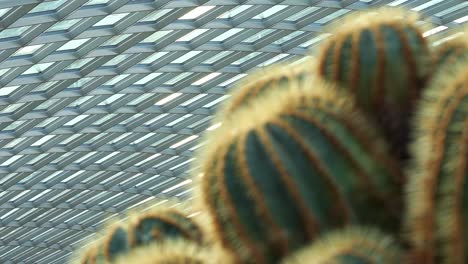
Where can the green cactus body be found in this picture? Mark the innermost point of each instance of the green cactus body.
(275, 180)
(384, 61)
(162, 225)
(117, 242)
(437, 190)
(349, 246)
(261, 82)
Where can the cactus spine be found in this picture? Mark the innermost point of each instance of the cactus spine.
(159, 225)
(437, 188)
(351, 245)
(382, 59)
(273, 181)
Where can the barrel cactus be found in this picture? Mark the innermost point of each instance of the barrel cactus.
(351, 245)
(161, 224)
(170, 252)
(275, 180)
(263, 81)
(106, 246)
(381, 57)
(451, 51)
(437, 189)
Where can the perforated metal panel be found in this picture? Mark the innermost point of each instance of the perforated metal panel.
(102, 101)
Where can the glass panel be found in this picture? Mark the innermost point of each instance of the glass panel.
(196, 12)
(116, 40)
(153, 57)
(79, 64)
(397, 2)
(116, 79)
(167, 99)
(42, 141)
(116, 60)
(28, 50)
(155, 15)
(246, 58)
(426, 5)
(187, 56)
(184, 141)
(8, 90)
(148, 78)
(156, 36)
(461, 20)
(270, 12)
(11, 108)
(231, 32)
(63, 25)
(193, 34)
(76, 120)
(73, 44)
(15, 125)
(332, 16)
(111, 99)
(4, 11)
(96, 2)
(13, 32)
(303, 13)
(258, 36)
(217, 57)
(46, 122)
(140, 99)
(110, 19)
(47, 6)
(38, 68)
(207, 78)
(235, 11)
(192, 100)
(178, 78)
(288, 37)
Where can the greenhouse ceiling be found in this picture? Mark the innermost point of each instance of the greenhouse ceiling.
(102, 102)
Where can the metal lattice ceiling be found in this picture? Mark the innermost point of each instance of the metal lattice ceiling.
(102, 101)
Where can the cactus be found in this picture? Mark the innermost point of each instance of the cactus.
(273, 180)
(437, 217)
(162, 224)
(351, 245)
(104, 248)
(261, 82)
(451, 52)
(380, 57)
(170, 252)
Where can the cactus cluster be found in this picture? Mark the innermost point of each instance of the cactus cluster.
(313, 162)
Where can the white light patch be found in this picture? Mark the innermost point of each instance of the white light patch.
(196, 12)
(207, 78)
(214, 126)
(461, 20)
(434, 31)
(177, 186)
(184, 141)
(167, 99)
